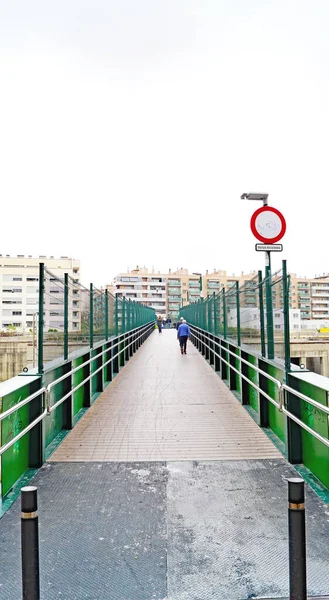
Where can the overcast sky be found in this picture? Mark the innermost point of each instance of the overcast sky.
(130, 128)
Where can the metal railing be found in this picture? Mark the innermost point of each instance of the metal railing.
(129, 335)
(16, 407)
(248, 314)
(72, 316)
(283, 388)
(132, 336)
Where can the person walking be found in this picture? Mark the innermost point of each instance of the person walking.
(183, 334)
(160, 323)
(179, 322)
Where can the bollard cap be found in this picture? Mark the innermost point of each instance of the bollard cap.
(296, 492)
(29, 499)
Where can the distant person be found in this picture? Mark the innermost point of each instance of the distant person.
(169, 323)
(160, 323)
(183, 334)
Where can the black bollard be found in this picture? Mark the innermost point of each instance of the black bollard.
(297, 539)
(30, 543)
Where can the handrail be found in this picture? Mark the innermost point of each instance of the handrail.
(45, 391)
(19, 405)
(51, 408)
(87, 362)
(283, 388)
(276, 381)
(254, 385)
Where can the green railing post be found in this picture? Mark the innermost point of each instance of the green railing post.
(214, 311)
(286, 278)
(41, 317)
(66, 316)
(106, 314)
(123, 319)
(224, 315)
(209, 314)
(91, 316)
(269, 311)
(261, 313)
(128, 315)
(238, 319)
(116, 315)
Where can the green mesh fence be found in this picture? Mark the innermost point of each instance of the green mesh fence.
(76, 317)
(53, 309)
(255, 314)
(79, 316)
(278, 314)
(251, 313)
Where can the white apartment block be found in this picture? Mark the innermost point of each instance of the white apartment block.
(140, 286)
(19, 292)
(165, 292)
(250, 319)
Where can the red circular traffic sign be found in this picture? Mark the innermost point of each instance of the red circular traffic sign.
(268, 225)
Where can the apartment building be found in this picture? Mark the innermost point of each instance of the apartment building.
(165, 292)
(19, 292)
(311, 296)
(250, 319)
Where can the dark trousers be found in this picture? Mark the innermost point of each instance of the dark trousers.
(183, 341)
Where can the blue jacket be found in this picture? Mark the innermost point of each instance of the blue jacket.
(183, 329)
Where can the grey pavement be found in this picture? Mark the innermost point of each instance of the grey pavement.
(167, 531)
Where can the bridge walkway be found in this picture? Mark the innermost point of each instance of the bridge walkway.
(165, 406)
(166, 489)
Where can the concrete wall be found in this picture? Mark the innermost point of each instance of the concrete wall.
(13, 357)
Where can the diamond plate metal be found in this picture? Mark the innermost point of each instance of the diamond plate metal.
(181, 531)
(102, 533)
(228, 531)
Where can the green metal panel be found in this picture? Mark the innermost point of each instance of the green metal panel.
(53, 423)
(78, 377)
(253, 376)
(315, 454)
(238, 366)
(16, 460)
(277, 421)
(93, 367)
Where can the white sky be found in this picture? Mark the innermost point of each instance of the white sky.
(130, 128)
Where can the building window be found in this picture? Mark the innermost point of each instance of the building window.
(17, 312)
(295, 315)
(11, 278)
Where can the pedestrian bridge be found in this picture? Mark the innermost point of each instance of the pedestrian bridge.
(164, 476)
